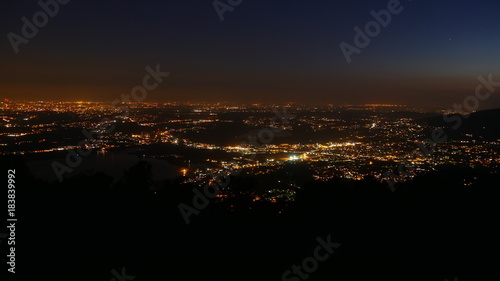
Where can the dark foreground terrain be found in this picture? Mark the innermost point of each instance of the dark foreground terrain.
(436, 227)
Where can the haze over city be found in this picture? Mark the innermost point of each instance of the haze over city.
(430, 54)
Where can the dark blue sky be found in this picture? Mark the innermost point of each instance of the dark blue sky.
(264, 51)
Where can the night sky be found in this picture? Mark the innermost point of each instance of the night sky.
(264, 51)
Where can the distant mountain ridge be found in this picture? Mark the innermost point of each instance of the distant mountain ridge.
(481, 124)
